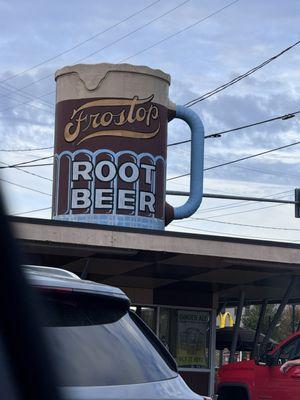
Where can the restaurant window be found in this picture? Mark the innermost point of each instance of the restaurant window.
(186, 334)
(148, 315)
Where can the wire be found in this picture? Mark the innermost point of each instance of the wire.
(27, 102)
(231, 234)
(174, 177)
(80, 43)
(218, 134)
(251, 210)
(244, 203)
(29, 98)
(24, 187)
(240, 77)
(261, 171)
(252, 156)
(135, 30)
(108, 45)
(30, 173)
(29, 165)
(239, 159)
(180, 31)
(246, 225)
(10, 88)
(31, 211)
(27, 162)
(35, 149)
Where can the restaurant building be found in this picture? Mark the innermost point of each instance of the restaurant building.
(177, 282)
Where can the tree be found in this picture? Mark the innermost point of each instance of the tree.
(283, 328)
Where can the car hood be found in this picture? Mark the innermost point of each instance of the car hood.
(175, 389)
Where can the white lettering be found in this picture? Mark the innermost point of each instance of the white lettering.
(134, 173)
(80, 198)
(148, 169)
(83, 169)
(147, 199)
(103, 198)
(126, 199)
(112, 171)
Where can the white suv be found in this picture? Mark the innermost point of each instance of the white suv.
(101, 349)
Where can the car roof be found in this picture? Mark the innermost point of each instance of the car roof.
(49, 277)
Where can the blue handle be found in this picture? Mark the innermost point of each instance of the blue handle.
(197, 161)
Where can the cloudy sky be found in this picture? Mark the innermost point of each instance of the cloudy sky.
(202, 44)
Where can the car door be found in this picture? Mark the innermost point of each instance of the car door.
(285, 385)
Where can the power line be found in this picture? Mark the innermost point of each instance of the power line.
(31, 211)
(35, 149)
(233, 197)
(239, 159)
(242, 203)
(26, 103)
(110, 44)
(180, 31)
(259, 170)
(136, 30)
(240, 77)
(218, 134)
(252, 156)
(251, 210)
(24, 187)
(80, 43)
(30, 173)
(29, 165)
(244, 225)
(233, 235)
(9, 88)
(27, 162)
(174, 177)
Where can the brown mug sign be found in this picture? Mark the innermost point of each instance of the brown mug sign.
(110, 145)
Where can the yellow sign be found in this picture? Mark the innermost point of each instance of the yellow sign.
(223, 316)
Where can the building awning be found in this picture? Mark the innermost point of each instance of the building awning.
(163, 260)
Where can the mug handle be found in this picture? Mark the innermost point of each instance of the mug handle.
(196, 162)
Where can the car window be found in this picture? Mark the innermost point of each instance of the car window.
(96, 342)
(289, 351)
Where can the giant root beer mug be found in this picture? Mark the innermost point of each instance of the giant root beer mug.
(111, 145)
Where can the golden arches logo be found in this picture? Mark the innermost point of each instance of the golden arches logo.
(223, 317)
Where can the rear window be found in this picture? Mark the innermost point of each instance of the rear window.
(96, 342)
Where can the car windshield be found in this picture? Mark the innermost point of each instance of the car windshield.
(96, 342)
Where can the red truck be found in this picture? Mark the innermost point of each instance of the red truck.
(261, 379)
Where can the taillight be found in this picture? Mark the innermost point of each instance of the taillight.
(54, 289)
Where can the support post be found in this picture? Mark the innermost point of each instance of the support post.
(293, 318)
(297, 203)
(236, 327)
(212, 345)
(262, 314)
(276, 317)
